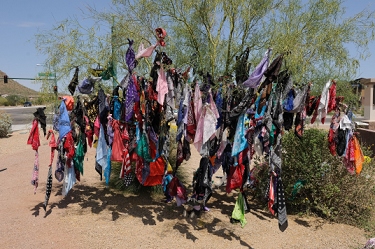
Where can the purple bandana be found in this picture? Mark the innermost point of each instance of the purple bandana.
(255, 78)
(130, 56)
(131, 98)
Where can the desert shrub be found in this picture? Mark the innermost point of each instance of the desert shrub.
(39, 101)
(3, 101)
(14, 100)
(5, 124)
(317, 182)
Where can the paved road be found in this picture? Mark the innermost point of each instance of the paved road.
(22, 117)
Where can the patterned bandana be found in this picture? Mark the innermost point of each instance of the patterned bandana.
(53, 146)
(74, 82)
(281, 210)
(131, 97)
(130, 56)
(48, 188)
(92, 109)
(64, 121)
(35, 177)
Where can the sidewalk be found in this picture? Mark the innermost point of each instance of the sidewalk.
(21, 127)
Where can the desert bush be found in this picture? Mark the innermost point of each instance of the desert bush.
(5, 124)
(3, 101)
(317, 182)
(14, 100)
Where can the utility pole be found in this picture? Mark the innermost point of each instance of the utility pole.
(51, 76)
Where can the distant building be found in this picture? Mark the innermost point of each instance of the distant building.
(359, 89)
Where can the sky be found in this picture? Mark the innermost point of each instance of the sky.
(21, 20)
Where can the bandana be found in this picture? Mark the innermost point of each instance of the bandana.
(103, 110)
(87, 85)
(69, 148)
(110, 132)
(69, 179)
(130, 57)
(161, 86)
(35, 177)
(116, 108)
(60, 164)
(219, 105)
(131, 97)
(109, 72)
(209, 124)
(271, 195)
(92, 109)
(256, 76)
(332, 97)
(48, 188)
(156, 172)
(197, 102)
(144, 52)
(142, 149)
(117, 145)
(239, 210)
(74, 82)
(34, 136)
(108, 169)
(358, 156)
(240, 142)
(161, 34)
(53, 145)
(64, 121)
(101, 152)
(39, 114)
(88, 131)
(281, 210)
(191, 125)
(288, 103)
(324, 99)
(126, 164)
(79, 155)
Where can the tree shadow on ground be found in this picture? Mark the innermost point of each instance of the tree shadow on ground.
(144, 206)
(302, 222)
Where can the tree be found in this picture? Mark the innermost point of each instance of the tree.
(315, 34)
(210, 34)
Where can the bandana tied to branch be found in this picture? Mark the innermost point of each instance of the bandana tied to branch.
(48, 188)
(74, 82)
(281, 210)
(33, 139)
(256, 76)
(35, 177)
(64, 121)
(53, 146)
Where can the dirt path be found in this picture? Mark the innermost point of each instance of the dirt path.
(93, 216)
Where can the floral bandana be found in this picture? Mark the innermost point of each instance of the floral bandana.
(35, 177)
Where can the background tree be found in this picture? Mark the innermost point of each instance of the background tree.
(209, 34)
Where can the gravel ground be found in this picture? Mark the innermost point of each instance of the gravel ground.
(94, 216)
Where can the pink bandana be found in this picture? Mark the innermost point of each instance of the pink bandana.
(161, 86)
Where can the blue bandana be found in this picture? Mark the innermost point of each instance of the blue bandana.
(64, 121)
